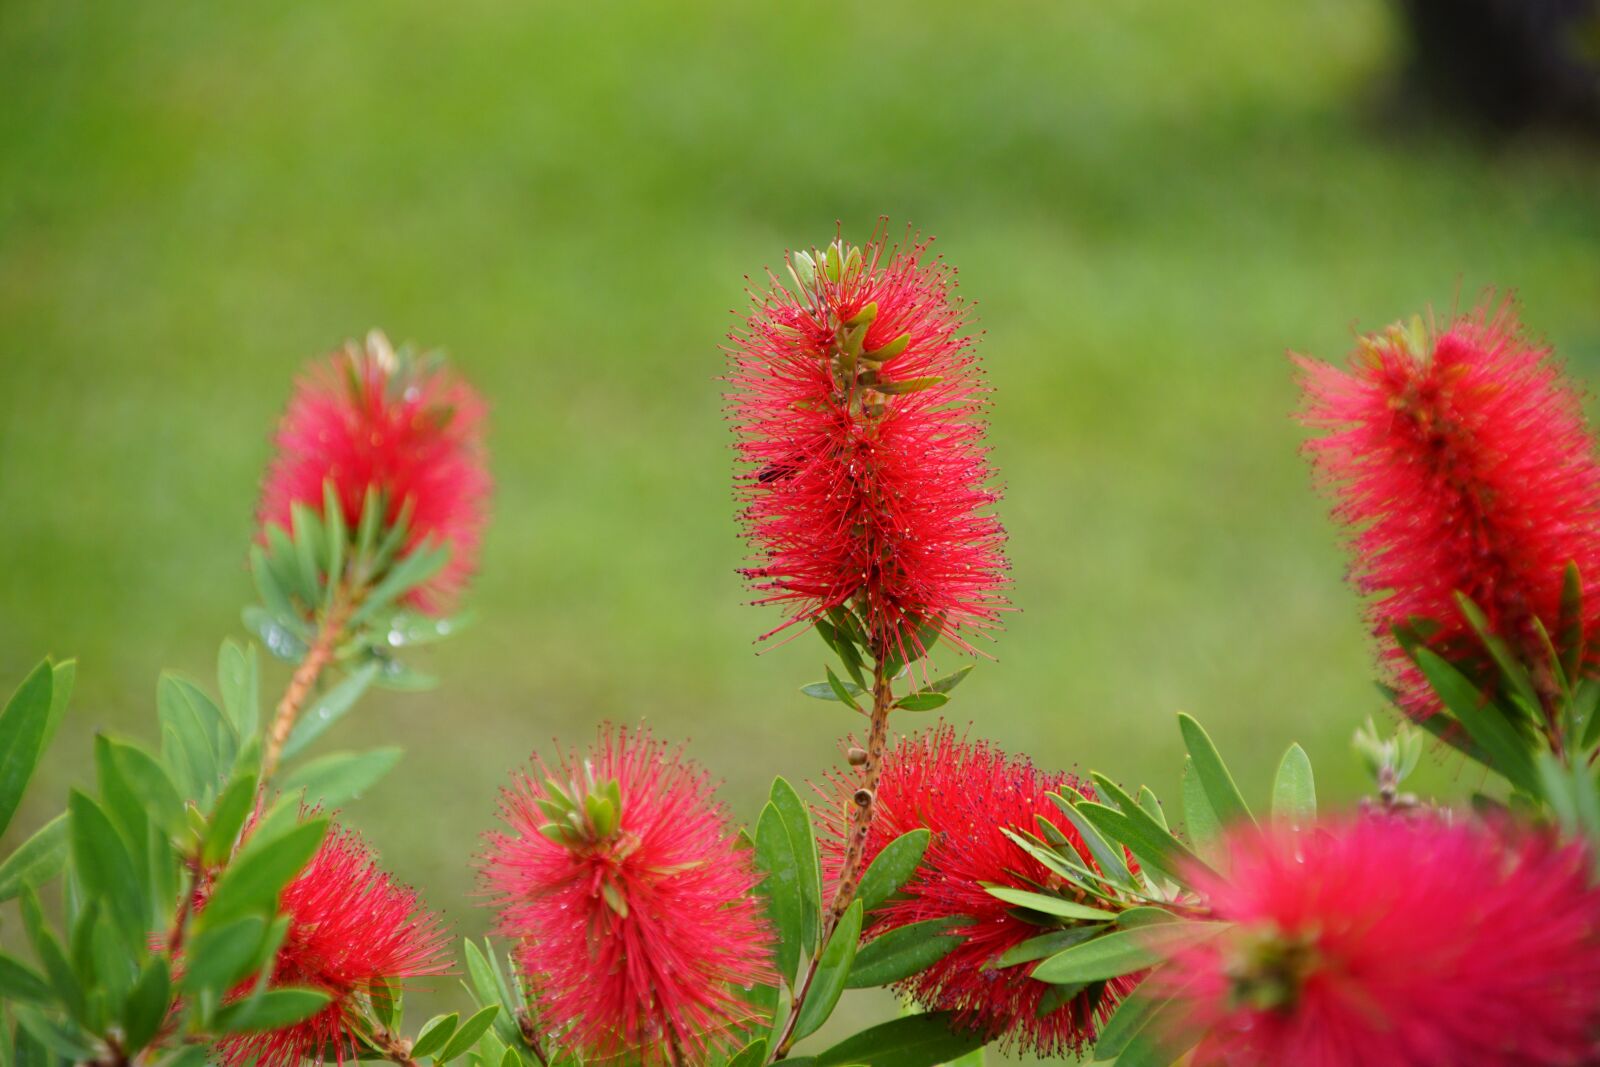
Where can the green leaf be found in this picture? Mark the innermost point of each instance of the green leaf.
(1133, 826)
(1569, 629)
(239, 682)
(37, 860)
(420, 564)
(223, 953)
(468, 1033)
(47, 947)
(1151, 805)
(922, 701)
(752, 1055)
(896, 863)
(840, 693)
(950, 681)
(1205, 832)
(18, 981)
(1127, 1020)
(840, 633)
(335, 536)
(832, 972)
(23, 724)
(1218, 784)
(194, 740)
(1157, 1042)
(101, 861)
(329, 708)
(147, 779)
(407, 629)
(808, 862)
(284, 637)
(1038, 948)
(331, 780)
(1123, 952)
(1508, 752)
(920, 1040)
(1107, 856)
(903, 951)
(64, 1039)
(227, 819)
(775, 855)
(434, 1033)
(272, 1009)
(825, 691)
(64, 676)
(1294, 790)
(147, 1004)
(1512, 670)
(1048, 905)
(254, 879)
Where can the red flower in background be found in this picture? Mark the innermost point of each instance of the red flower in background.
(621, 883)
(1394, 943)
(350, 927)
(407, 426)
(967, 794)
(857, 407)
(1461, 463)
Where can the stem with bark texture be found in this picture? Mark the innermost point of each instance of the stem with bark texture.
(865, 800)
(329, 632)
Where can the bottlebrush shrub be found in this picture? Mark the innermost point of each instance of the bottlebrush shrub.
(203, 910)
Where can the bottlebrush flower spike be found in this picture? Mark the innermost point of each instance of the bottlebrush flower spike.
(967, 793)
(1462, 464)
(1387, 942)
(351, 927)
(406, 426)
(857, 403)
(622, 886)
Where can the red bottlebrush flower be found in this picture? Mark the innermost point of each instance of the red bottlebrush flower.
(1389, 942)
(968, 794)
(857, 409)
(622, 885)
(1462, 463)
(406, 426)
(350, 927)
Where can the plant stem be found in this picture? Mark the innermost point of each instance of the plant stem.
(330, 630)
(530, 1035)
(850, 869)
(395, 1048)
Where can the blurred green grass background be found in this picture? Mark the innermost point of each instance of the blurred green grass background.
(1149, 202)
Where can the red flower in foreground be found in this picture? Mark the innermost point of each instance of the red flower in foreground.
(857, 408)
(406, 426)
(1462, 463)
(621, 882)
(1395, 943)
(350, 927)
(967, 794)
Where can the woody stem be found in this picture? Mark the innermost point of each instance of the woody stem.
(330, 630)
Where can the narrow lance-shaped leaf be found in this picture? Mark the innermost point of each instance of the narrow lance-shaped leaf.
(1220, 789)
(775, 855)
(808, 862)
(892, 867)
(329, 709)
(1294, 791)
(905, 950)
(832, 972)
(1508, 751)
(22, 729)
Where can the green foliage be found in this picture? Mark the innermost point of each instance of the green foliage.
(903, 951)
(833, 972)
(912, 1041)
